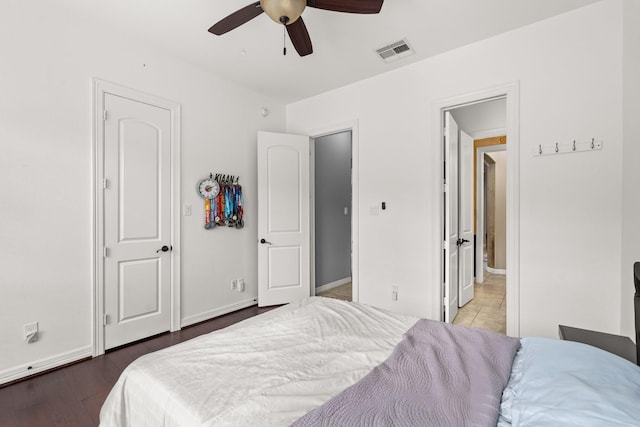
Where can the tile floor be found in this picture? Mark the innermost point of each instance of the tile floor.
(487, 309)
(342, 292)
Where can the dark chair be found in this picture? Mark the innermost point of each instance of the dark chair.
(636, 306)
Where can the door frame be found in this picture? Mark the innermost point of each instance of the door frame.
(352, 126)
(99, 89)
(511, 91)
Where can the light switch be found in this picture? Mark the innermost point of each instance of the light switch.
(374, 210)
(346, 211)
(186, 209)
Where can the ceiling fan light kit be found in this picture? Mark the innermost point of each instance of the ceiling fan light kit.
(283, 11)
(288, 13)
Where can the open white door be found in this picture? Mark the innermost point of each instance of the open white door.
(137, 220)
(451, 219)
(465, 228)
(284, 273)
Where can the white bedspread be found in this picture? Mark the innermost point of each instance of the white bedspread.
(268, 370)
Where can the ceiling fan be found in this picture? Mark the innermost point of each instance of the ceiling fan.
(287, 13)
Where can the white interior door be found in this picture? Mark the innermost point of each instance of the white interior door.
(451, 219)
(137, 220)
(284, 273)
(465, 223)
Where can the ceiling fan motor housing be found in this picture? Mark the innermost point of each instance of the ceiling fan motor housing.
(283, 11)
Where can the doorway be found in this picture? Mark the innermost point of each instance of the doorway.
(286, 270)
(332, 215)
(510, 94)
(467, 212)
(491, 207)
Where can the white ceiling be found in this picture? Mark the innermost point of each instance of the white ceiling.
(482, 117)
(344, 44)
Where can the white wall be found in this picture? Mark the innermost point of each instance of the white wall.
(631, 167)
(49, 58)
(570, 73)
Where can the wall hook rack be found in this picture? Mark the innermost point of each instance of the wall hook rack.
(564, 148)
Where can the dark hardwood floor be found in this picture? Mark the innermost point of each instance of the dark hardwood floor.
(73, 396)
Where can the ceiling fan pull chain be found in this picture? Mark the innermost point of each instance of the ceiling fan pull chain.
(284, 40)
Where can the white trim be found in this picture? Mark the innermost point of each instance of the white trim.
(332, 285)
(500, 271)
(352, 126)
(512, 93)
(312, 215)
(220, 311)
(25, 370)
(100, 88)
(480, 206)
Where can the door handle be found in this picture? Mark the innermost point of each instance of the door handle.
(461, 242)
(265, 242)
(165, 248)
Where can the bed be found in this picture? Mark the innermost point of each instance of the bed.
(325, 362)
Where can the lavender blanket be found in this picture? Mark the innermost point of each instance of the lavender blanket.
(438, 375)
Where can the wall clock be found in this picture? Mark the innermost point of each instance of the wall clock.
(208, 188)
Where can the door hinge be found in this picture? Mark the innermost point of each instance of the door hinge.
(445, 187)
(106, 320)
(104, 115)
(105, 183)
(105, 251)
(444, 245)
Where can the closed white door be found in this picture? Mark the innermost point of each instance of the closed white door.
(283, 218)
(465, 223)
(451, 219)
(137, 220)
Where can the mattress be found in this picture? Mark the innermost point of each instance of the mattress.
(268, 370)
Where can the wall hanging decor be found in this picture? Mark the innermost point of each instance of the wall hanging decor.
(222, 196)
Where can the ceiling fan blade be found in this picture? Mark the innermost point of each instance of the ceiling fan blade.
(236, 19)
(349, 6)
(300, 37)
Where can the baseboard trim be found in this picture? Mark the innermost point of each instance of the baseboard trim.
(497, 271)
(46, 364)
(208, 315)
(333, 285)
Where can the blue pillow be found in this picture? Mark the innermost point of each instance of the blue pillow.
(565, 383)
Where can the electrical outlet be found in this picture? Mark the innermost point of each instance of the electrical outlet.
(234, 285)
(241, 284)
(394, 293)
(31, 332)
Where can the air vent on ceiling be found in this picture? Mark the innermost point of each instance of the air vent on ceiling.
(395, 51)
